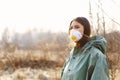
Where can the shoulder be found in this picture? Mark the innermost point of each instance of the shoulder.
(96, 56)
(96, 53)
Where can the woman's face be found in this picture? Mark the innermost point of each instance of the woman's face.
(77, 26)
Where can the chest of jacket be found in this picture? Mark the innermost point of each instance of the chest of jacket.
(77, 64)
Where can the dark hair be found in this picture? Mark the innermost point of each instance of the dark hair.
(87, 29)
(85, 23)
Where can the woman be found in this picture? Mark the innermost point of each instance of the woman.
(87, 60)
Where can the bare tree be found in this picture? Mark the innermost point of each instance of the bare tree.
(5, 39)
(113, 53)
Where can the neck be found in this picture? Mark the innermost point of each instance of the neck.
(83, 41)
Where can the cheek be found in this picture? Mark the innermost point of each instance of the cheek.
(81, 31)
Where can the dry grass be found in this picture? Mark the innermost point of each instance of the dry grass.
(32, 59)
(31, 65)
(32, 74)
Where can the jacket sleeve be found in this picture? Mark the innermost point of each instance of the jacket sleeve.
(98, 67)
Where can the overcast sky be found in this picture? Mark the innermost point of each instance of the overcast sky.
(48, 14)
(21, 15)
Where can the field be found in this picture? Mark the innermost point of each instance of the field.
(45, 60)
(31, 65)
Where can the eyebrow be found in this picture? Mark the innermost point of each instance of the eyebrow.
(75, 26)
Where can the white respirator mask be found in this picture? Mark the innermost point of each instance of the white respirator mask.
(75, 35)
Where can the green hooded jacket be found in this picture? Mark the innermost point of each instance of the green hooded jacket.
(88, 63)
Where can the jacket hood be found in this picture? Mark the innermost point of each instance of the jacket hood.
(99, 42)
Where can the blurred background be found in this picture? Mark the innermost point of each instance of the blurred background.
(34, 39)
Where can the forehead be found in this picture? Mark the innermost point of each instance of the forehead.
(75, 23)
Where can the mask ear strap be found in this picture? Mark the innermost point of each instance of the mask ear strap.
(86, 35)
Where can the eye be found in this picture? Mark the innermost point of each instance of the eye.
(76, 26)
